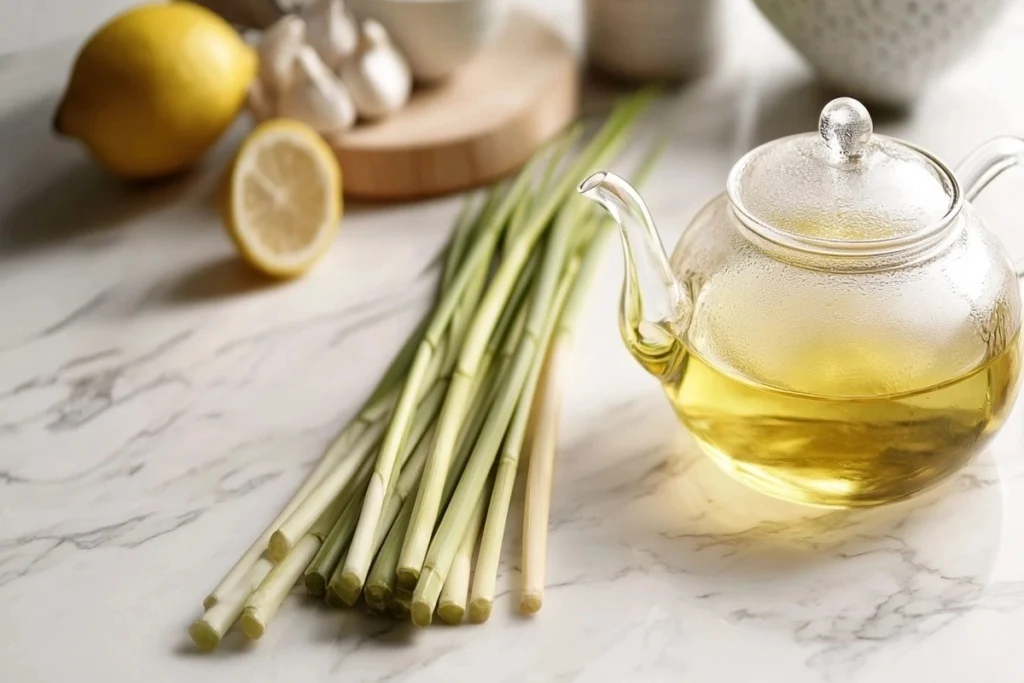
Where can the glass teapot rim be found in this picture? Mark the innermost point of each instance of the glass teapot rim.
(849, 135)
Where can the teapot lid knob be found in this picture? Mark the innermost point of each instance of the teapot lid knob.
(845, 128)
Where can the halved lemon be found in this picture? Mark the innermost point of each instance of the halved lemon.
(284, 205)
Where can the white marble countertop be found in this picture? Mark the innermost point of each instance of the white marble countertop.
(158, 404)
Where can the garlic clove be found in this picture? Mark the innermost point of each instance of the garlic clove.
(316, 96)
(377, 76)
(277, 49)
(260, 103)
(331, 30)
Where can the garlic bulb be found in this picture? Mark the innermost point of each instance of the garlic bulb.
(377, 76)
(277, 49)
(316, 96)
(331, 30)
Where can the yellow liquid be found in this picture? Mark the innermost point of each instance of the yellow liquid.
(838, 451)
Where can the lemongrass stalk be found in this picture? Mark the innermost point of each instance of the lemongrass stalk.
(295, 526)
(383, 579)
(380, 582)
(559, 155)
(208, 630)
(500, 350)
(327, 557)
(427, 507)
(472, 278)
(328, 563)
(382, 483)
(543, 428)
(413, 468)
(398, 430)
(451, 606)
(464, 225)
(349, 496)
(338, 594)
(381, 402)
(457, 515)
(553, 259)
(560, 149)
(518, 220)
(536, 510)
(264, 602)
(463, 316)
(407, 480)
(555, 255)
(543, 438)
(282, 540)
(334, 544)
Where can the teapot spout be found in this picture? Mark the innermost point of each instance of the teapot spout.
(655, 307)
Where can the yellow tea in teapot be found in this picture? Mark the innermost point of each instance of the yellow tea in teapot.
(840, 451)
(838, 327)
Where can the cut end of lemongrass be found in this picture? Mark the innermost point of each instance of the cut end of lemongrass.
(333, 596)
(408, 578)
(530, 602)
(377, 596)
(422, 613)
(204, 635)
(279, 546)
(350, 586)
(425, 598)
(348, 596)
(450, 612)
(400, 608)
(210, 601)
(480, 610)
(252, 624)
(316, 585)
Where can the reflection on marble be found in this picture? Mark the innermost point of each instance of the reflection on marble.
(158, 404)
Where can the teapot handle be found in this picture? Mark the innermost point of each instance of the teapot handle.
(986, 162)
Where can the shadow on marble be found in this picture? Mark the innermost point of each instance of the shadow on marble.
(210, 281)
(234, 644)
(356, 626)
(80, 201)
(65, 195)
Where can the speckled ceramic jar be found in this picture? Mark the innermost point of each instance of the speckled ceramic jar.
(885, 51)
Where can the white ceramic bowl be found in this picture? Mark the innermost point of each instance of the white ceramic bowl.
(436, 36)
(886, 51)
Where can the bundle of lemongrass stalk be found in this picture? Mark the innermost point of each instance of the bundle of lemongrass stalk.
(419, 484)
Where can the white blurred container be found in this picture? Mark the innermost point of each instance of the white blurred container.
(644, 40)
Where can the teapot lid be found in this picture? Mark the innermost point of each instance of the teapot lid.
(842, 184)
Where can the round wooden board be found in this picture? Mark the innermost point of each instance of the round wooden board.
(483, 123)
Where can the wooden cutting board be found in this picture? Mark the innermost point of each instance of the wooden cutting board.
(483, 123)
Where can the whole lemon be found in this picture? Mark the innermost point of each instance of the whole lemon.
(155, 87)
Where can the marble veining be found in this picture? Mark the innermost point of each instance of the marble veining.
(158, 404)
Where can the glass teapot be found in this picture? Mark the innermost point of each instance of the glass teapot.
(839, 327)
